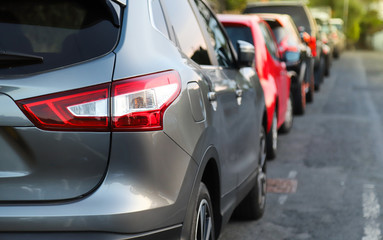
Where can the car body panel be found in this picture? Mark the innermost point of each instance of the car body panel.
(41, 158)
(272, 72)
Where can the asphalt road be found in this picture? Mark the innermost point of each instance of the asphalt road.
(327, 180)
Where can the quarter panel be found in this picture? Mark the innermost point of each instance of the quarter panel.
(147, 187)
(39, 165)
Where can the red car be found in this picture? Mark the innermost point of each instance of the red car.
(272, 72)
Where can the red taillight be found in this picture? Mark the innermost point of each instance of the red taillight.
(138, 104)
(313, 46)
(82, 109)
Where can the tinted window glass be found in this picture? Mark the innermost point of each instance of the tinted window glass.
(217, 37)
(279, 33)
(296, 12)
(158, 17)
(62, 32)
(239, 33)
(269, 40)
(187, 30)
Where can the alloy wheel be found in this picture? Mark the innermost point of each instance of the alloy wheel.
(274, 130)
(261, 180)
(204, 224)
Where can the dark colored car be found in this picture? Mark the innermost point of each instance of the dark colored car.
(328, 43)
(126, 124)
(304, 21)
(296, 54)
(271, 71)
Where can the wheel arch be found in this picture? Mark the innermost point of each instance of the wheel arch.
(209, 174)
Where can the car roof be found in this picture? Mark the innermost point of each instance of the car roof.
(236, 18)
(277, 3)
(280, 18)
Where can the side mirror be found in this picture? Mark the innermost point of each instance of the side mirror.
(246, 54)
(291, 55)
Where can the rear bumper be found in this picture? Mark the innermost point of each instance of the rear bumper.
(170, 233)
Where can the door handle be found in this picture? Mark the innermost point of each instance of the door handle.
(212, 96)
(239, 92)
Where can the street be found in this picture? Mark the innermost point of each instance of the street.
(326, 181)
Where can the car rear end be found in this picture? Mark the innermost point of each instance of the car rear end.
(54, 143)
(305, 23)
(295, 53)
(82, 154)
(299, 13)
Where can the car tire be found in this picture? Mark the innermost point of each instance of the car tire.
(202, 230)
(289, 116)
(327, 71)
(253, 205)
(299, 97)
(310, 93)
(272, 138)
(319, 74)
(336, 53)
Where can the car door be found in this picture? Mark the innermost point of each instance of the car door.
(238, 102)
(277, 68)
(193, 43)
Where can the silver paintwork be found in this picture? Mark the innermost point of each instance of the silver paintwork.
(130, 182)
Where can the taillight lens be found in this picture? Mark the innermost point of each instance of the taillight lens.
(82, 109)
(313, 46)
(138, 104)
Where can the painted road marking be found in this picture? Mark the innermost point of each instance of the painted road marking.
(371, 212)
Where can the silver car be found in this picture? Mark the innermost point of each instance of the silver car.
(125, 120)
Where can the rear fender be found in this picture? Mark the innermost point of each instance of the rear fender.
(209, 155)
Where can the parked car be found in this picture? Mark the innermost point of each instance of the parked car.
(327, 41)
(305, 23)
(297, 55)
(271, 71)
(120, 124)
(338, 34)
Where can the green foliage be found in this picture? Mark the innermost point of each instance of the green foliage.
(358, 21)
(235, 4)
(371, 22)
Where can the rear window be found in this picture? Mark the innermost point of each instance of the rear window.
(281, 33)
(236, 33)
(61, 32)
(297, 13)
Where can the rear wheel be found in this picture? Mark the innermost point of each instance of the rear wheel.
(310, 93)
(253, 205)
(272, 138)
(299, 95)
(287, 125)
(203, 217)
(319, 74)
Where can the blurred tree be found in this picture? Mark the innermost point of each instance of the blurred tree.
(354, 11)
(370, 24)
(228, 5)
(233, 5)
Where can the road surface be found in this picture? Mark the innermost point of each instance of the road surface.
(327, 180)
